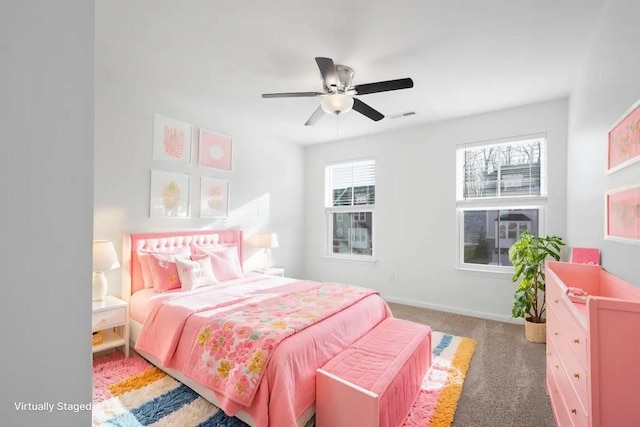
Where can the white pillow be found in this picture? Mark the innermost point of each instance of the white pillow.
(224, 260)
(195, 274)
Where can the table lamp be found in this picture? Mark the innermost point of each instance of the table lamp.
(267, 241)
(104, 258)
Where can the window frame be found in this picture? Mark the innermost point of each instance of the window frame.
(349, 209)
(539, 202)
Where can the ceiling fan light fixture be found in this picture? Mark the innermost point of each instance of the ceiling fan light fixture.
(337, 103)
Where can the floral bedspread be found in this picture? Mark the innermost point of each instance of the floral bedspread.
(232, 349)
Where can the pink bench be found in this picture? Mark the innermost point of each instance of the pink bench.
(374, 382)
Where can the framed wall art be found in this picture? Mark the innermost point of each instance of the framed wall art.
(214, 150)
(214, 198)
(622, 214)
(169, 195)
(171, 139)
(624, 140)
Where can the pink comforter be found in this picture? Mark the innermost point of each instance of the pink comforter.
(286, 390)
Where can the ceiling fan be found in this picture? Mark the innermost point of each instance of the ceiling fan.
(338, 92)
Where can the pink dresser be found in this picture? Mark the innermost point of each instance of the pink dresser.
(593, 347)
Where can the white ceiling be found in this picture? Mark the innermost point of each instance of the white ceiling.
(464, 56)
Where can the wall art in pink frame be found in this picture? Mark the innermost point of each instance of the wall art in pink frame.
(214, 150)
(171, 139)
(214, 198)
(622, 215)
(624, 140)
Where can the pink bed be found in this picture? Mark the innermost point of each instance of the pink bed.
(285, 396)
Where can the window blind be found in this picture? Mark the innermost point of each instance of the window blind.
(352, 183)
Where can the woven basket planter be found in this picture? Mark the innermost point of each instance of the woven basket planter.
(535, 332)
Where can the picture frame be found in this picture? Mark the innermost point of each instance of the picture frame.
(214, 198)
(169, 195)
(172, 139)
(623, 145)
(215, 150)
(622, 214)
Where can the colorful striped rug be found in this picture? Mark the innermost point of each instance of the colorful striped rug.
(131, 392)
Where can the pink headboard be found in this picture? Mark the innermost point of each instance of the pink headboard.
(131, 243)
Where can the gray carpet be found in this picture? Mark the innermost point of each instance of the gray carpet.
(505, 384)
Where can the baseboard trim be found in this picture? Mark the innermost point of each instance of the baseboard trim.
(454, 310)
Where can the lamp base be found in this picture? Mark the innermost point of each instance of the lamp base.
(267, 258)
(99, 287)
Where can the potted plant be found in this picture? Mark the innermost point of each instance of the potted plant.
(528, 255)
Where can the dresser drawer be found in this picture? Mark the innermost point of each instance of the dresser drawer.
(108, 318)
(567, 328)
(566, 405)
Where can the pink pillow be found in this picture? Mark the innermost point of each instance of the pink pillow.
(194, 274)
(224, 261)
(145, 266)
(165, 272)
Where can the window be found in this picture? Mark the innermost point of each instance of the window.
(501, 192)
(350, 195)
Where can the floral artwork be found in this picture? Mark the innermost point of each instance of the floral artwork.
(214, 150)
(171, 139)
(624, 140)
(623, 215)
(214, 198)
(169, 195)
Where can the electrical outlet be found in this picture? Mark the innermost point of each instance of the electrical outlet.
(392, 277)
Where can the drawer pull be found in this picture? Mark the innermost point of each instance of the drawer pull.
(574, 411)
(557, 367)
(555, 333)
(576, 340)
(556, 300)
(576, 375)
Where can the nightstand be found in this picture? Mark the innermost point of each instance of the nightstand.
(273, 271)
(111, 316)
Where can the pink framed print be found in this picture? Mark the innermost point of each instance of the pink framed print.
(214, 198)
(169, 195)
(622, 215)
(171, 139)
(214, 150)
(624, 140)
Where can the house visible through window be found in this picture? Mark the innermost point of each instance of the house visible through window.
(501, 192)
(350, 194)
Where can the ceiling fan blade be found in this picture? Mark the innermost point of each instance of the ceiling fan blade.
(291, 94)
(328, 71)
(364, 109)
(315, 116)
(383, 86)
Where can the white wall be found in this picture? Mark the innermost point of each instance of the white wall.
(415, 215)
(46, 88)
(137, 76)
(608, 85)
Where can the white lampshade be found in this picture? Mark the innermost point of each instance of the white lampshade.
(267, 240)
(337, 103)
(104, 258)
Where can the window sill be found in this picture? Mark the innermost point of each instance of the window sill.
(351, 259)
(494, 270)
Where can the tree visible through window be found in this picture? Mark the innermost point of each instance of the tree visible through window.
(501, 192)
